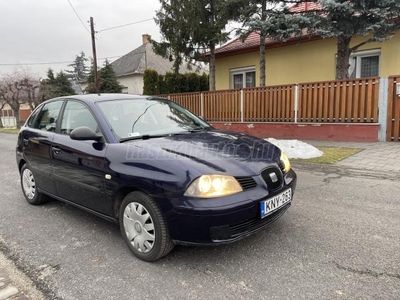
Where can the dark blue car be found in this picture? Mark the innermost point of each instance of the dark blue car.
(164, 174)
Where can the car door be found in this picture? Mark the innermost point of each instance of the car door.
(37, 141)
(78, 166)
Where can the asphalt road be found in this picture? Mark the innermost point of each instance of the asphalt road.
(339, 240)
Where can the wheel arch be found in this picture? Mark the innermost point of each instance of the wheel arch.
(119, 197)
(21, 163)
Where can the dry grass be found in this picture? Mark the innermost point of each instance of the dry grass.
(331, 155)
(9, 130)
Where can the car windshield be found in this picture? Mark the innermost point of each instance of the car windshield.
(135, 118)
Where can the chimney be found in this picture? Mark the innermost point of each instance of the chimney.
(146, 38)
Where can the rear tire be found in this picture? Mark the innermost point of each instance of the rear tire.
(30, 188)
(143, 227)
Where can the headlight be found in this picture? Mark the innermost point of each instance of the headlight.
(285, 161)
(211, 186)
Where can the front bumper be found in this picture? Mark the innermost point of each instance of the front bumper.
(224, 220)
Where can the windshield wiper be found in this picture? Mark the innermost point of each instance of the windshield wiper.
(198, 128)
(142, 137)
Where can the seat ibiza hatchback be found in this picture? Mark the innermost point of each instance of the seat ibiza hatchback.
(165, 175)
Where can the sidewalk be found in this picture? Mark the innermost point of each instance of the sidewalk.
(14, 284)
(374, 156)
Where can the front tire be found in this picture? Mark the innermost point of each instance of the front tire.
(143, 227)
(30, 188)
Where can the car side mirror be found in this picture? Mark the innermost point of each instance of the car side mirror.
(85, 133)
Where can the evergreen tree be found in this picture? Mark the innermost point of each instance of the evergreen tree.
(107, 78)
(190, 28)
(204, 82)
(193, 82)
(63, 84)
(373, 19)
(341, 19)
(184, 83)
(55, 86)
(172, 83)
(150, 82)
(254, 16)
(162, 86)
(80, 70)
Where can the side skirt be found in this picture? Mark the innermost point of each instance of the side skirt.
(103, 216)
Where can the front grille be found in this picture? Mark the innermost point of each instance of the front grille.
(273, 178)
(246, 183)
(281, 166)
(229, 232)
(256, 223)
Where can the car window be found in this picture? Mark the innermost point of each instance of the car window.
(138, 117)
(32, 117)
(76, 115)
(48, 116)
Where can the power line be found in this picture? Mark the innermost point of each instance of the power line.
(78, 16)
(53, 62)
(119, 26)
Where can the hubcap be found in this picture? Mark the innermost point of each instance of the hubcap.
(28, 184)
(139, 227)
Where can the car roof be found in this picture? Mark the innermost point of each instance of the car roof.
(105, 97)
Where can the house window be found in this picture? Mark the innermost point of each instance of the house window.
(364, 64)
(242, 78)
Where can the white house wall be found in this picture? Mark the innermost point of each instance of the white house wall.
(133, 84)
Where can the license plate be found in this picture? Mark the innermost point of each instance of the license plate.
(274, 203)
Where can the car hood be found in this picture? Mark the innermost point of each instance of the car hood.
(210, 152)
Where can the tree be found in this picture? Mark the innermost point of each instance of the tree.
(254, 16)
(172, 83)
(150, 82)
(107, 78)
(2, 104)
(193, 82)
(79, 70)
(190, 28)
(55, 86)
(375, 20)
(344, 19)
(17, 88)
(162, 86)
(204, 82)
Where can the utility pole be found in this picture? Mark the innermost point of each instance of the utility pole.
(96, 75)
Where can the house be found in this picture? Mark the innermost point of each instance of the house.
(130, 68)
(300, 59)
(8, 119)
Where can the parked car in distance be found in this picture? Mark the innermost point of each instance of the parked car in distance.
(165, 175)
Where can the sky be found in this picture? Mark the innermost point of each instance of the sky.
(43, 31)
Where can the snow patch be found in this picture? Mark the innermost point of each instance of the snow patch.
(250, 126)
(296, 149)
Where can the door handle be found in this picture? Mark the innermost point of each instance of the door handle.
(25, 141)
(56, 150)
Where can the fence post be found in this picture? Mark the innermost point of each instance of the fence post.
(383, 108)
(296, 101)
(201, 104)
(241, 106)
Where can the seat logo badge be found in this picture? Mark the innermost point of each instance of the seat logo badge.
(273, 177)
(108, 176)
